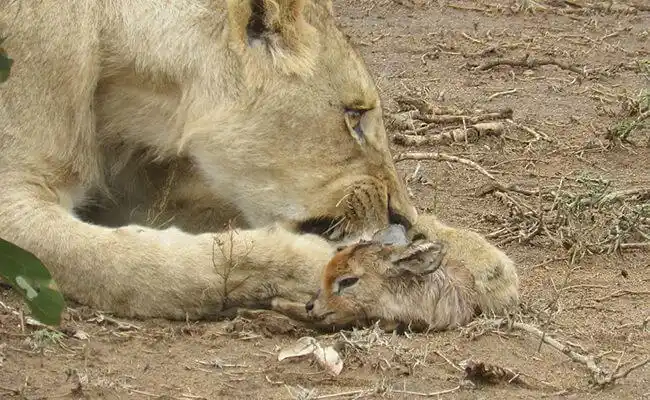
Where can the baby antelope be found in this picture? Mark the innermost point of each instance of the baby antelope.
(406, 283)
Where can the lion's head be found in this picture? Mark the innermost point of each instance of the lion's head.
(298, 136)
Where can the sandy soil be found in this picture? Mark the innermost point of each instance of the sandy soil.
(436, 52)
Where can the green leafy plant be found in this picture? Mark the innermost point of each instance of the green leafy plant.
(23, 270)
(634, 116)
(5, 63)
(27, 275)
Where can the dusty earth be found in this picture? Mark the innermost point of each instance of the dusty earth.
(551, 194)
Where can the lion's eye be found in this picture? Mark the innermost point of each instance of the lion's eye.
(346, 283)
(353, 120)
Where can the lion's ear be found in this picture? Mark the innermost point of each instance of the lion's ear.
(277, 25)
(268, 17)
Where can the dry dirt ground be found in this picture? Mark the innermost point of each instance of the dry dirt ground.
(563, 189)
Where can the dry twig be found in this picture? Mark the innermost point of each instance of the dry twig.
(121, 325)
(429, 394)
(600, 376)
(536, 134)
(470, 134)
(464, 119)
(444, 157)
(499, 94)
(596, 221)
(623, 292)
(529, 62)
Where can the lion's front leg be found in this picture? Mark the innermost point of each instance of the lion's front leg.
(135, 271)
(267, 268)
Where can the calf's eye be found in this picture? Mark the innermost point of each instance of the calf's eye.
(347, 282)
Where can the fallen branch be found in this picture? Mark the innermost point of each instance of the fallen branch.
(467, 8)
(504, 93)
(439, 354)
(460, 135)
(636, 194)
(608, 7)
(642, 325)
(623, 292)
(342, 394)
(12, 392)
(464, 119)
(599, 375)
(529, 62)
(419, 104)
(641, 245)
(492, 187)
(471, 39)
(537, 135)
(444, 157)
(429, 394)
(99, 318)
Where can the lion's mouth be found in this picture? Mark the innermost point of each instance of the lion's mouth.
(327, 227)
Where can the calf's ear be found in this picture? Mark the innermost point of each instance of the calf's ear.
(420, 258)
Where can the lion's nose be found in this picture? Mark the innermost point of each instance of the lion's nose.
(397, 218)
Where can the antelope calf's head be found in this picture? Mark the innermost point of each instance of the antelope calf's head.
(367, 281)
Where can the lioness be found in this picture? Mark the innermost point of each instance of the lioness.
(257, 106)
(132, 130)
